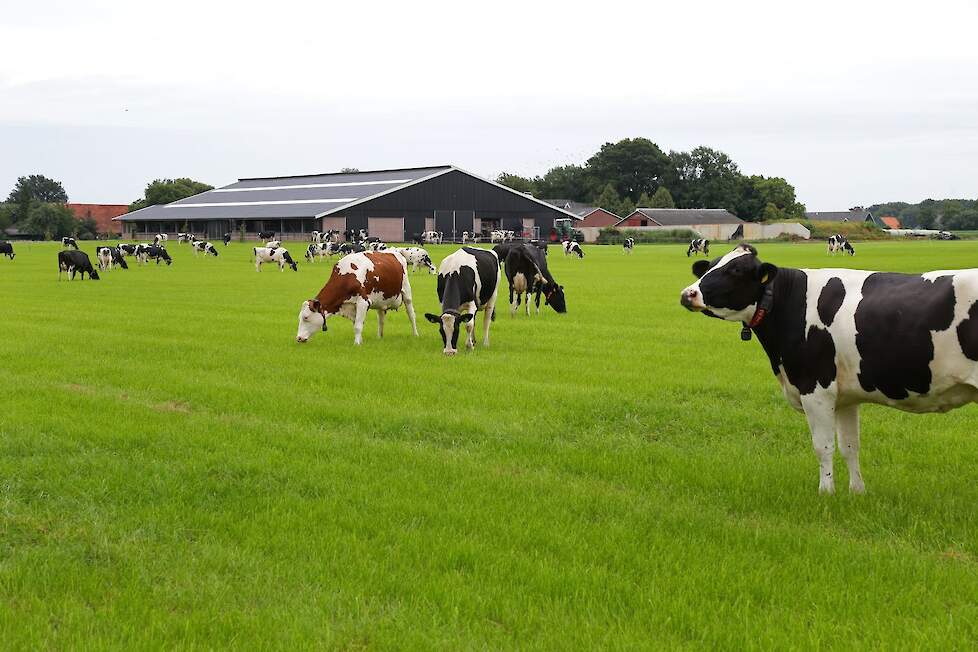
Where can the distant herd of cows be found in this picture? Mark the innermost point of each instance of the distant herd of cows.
(835, 338)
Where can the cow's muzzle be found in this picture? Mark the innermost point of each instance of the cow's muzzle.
(692, 300)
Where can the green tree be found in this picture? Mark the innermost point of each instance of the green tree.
(515, 181)
(35, 188)
(164, 191)
(626, 207)
(780, 193)
(609, 200)
(7, 212)
(563, 182)
(632, 166)
(51, 220)
(927, 217)
(662, 199)
(86, 229)
(962, 220)
(705, 178)
(644, 201)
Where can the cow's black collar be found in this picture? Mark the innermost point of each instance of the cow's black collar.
(763, 308)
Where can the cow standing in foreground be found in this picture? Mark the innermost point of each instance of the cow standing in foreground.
(837, 338)
(699, 245)
(468, 281)
(839, 243)
(526, 271)
(359, 282)
(628, 245)
(7, 249)
(73, 261)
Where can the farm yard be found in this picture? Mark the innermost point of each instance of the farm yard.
(176, 471)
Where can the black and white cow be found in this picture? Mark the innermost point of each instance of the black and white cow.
(837, 338)
(468, 281)
(127, 249)
(69, 242)
(273, 244)
(185, 237)
(628, 245)
(109, 257)
(376, 246)
(73, 261)
(573, 247)
(839, 243)
(157, 252)
(227, 239)
(7, 249)
(266, 235)
(526, 271)
(200, 246)
(699, 245)
(277, 255)
(160, 239)
(316, 237)
(314, 251)
(416, 257)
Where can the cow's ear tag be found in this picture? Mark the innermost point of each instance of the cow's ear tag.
(764, 279)
(745, 334)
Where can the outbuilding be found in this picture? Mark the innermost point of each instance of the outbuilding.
(392, 204)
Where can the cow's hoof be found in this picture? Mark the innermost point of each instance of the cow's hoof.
(857, 487)
(826, 488)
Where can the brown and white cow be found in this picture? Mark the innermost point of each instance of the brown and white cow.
(360, 281)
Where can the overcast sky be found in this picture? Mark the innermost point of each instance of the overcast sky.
(852, 101)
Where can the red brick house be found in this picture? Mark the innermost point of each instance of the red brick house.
(102, 214)
(589, 215)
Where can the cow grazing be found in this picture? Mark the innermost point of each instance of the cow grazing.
(109, 257)
(185, 237)
(276, 255)
(468, 281)
(227, 239)
(376, 246)
(73, 261)
(628, 245)
(502, 250)
(415, 257)
(266, 235)
(273, 244)
(526, 271)
(360, 282)
(837, 338)
(573, 247)
(699, 245)
(69, 242)
(839, 243)
(7, 249)
(314, 251)
(128, 249)
(157, 252)
(200, 246)
(160, 239)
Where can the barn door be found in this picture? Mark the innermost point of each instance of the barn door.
(464, 221)
(445, 222)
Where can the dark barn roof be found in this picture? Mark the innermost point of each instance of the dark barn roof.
(687, 216)
(309, 196)
(578, 208)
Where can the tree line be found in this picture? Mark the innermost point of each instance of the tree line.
(635, 172)
(949, 214)
(37, 205)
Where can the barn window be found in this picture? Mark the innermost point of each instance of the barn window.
(644, 223)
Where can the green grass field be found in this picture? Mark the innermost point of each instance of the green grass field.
(175, 471)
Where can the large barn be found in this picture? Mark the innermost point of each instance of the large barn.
(391, 204)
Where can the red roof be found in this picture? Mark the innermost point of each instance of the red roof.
(891, 222)
(102, 214)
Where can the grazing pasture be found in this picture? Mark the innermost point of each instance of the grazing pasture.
(176, 471)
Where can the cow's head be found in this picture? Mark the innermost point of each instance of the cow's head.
(288, 261)
(426, 261)
(729, 287)
(554, 297)
(165, 256)
(93, 274)
(449, 323)
(312, 318)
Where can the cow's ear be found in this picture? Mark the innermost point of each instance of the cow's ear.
(434, 319)
(315, 305)
(766, 273)
(466, 317)
(700, 267)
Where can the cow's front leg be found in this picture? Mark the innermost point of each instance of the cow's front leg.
(514, 301)
(489, 310)
(820, 412)
(470, 330)
(380, 323)
(362, 306)
(847, 422)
